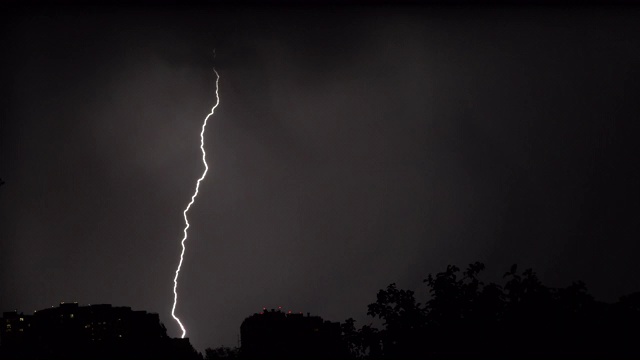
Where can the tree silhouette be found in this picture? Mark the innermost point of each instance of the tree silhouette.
(464, 317)
(403, 318)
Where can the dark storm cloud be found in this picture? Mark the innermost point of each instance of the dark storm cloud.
(353, 147)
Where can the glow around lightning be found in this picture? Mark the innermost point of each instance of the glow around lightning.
(193, 199)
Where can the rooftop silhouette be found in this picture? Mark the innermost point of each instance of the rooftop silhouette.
(71, 331)
(275, 334)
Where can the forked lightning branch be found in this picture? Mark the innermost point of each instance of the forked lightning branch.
(186, 210)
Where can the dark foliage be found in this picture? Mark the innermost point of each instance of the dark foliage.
(466, 318)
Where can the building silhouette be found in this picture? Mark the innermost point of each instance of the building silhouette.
(275, 334)
(94, 331)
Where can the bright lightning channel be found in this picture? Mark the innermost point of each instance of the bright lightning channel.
(193, 198)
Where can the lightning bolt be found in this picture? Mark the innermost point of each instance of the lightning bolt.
(193, 199)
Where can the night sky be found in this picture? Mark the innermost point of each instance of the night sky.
(352, 147)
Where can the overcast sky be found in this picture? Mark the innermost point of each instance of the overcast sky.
(352, 147)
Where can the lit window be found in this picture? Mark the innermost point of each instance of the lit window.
(21, 319)
(71, 316)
